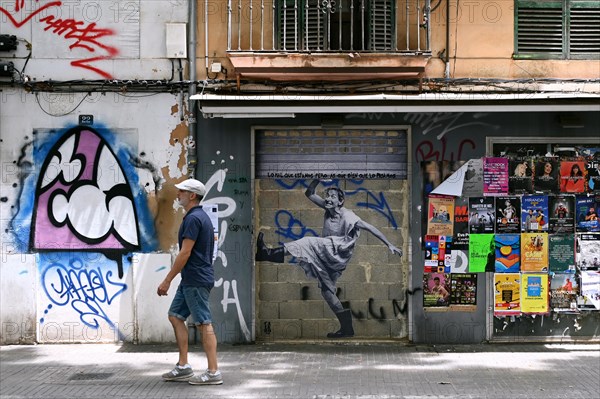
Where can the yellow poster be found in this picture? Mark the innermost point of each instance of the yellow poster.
(507, 294)
(440, 216)
(534, 293)
(534, 252)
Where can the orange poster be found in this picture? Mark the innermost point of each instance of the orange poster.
(534, 252)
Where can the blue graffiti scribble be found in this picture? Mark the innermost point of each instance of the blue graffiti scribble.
(378, 202)
(291, 228)
(379, 205)
(23, 272)
(86, 289)
(160, 269)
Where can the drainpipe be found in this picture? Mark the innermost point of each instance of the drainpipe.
(192, 109)
(447, 70)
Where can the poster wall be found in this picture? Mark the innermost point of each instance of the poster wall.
(532, 222)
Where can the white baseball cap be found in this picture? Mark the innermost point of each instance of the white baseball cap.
(193, 186)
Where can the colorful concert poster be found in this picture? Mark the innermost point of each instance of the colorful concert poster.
(546, 175)
(440, 215)
(561, 213)
(590, 290)
(592, 168)
(534, 213)
(586, 208)
(561, 253)
(463, 289)
(520, 179)
(534, 293)
(534, 252)
(508, 214)
(495, 176)
(481, 253)
(507, 294)
(461, 223)
(481, 215)
(563, 293)
(572, 176)
(459, 260)
(588, 251)
(473, 183)
(437, 253)
(436, 289)
(507, 253)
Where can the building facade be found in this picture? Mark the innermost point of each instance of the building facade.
(263, 98)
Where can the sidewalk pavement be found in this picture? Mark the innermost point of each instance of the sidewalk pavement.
(320, 370)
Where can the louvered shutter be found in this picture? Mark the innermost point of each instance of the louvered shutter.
(540, 28)
(301, 25)
(550, 29)
(288, 16)
(382, 34)
(584, 30)
(313, 27)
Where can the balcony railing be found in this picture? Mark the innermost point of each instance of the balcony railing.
(326, 26)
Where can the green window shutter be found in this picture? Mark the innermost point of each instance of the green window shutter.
(382, 33)
(540, 29)
(302, 25)
(584, 30)
(288, 18)
(313, 27)
(550, 29)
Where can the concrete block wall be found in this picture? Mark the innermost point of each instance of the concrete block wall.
(289, 304)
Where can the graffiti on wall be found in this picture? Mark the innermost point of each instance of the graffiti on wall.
(57, 19)
(375, 201)
(84, 284)
(325, 257)
(440, 125)
(227, 208)
(83, 201)
(80, 191)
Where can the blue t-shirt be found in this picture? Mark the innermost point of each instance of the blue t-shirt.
(198, 271)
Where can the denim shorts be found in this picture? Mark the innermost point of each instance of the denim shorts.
(191, 301)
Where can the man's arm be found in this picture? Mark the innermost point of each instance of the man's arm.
(178, 265)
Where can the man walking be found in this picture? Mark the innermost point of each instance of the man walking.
(194, 262)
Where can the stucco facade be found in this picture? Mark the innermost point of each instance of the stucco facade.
(96, 98)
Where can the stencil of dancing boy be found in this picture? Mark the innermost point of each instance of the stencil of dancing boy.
(325, 258)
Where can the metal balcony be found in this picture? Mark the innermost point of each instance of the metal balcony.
(328, 39)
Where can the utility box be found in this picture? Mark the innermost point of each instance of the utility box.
(6, 69)
(176, 40)
(8, 42)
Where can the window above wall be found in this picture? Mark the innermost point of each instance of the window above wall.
(328, 40)
(551, 29)
(350, 25)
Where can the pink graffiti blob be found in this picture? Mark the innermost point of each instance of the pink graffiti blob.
(83, 200)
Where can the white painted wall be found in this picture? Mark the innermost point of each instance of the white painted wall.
(18, 283)
(150, 310)
(30, 285)
(23, 300)
(126, 31)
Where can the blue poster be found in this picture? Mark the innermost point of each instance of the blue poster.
(586, 208)
(534, 286)
(534, 213)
